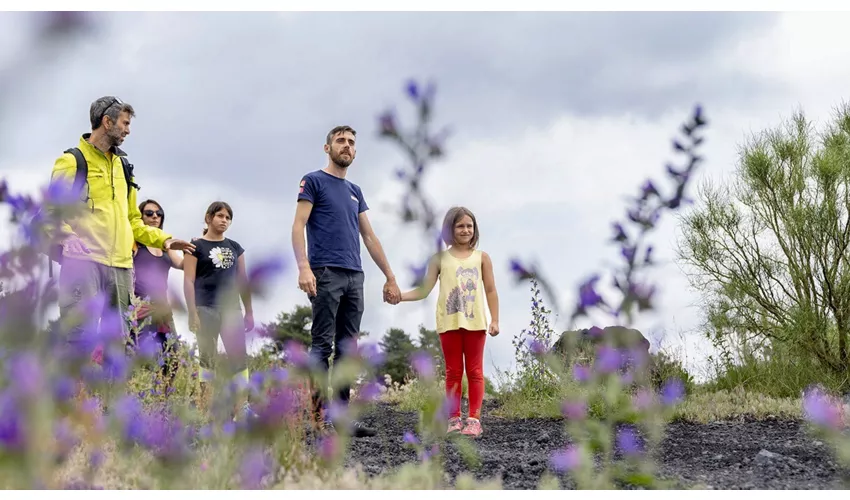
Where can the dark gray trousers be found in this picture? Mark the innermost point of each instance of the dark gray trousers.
(337, 311)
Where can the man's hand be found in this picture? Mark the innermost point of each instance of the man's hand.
(172, 244)
(493, 330)
(392, 294)
(73, 245)
(249, 321)
(307, 282)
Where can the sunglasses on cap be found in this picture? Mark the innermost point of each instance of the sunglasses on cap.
(150, 213)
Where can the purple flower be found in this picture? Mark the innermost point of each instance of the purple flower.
(63, 389)
(619, 233)
(574, 410)
(328, 447)
(410, 438)
(25, 369)
(565, 460)
(256, 381)
(279, 374)
(12, 431)
(818, 409)
(388, 124)
(672, 392)
(96, 459)
(581, 373)
(372, 354)
(296, 354)
(148, 347)
(413, 90)
(429, 453)
(536, 347)
(628, 441)
(423, 364)
(255, 465)
(587, 293)
(642, 399)
(276, 407)
(595, 332)
(608, 359)
(370, 391)
(520, 271)
(648, 190)
(628, 252)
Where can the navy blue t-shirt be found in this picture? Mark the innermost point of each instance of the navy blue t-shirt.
(333, 229)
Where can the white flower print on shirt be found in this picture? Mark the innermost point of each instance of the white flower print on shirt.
(222, 257)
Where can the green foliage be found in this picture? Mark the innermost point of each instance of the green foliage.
(294, 325)
(397, 348)
(769, 248)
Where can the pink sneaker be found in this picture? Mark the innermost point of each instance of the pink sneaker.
(472, 428)
(455, 425)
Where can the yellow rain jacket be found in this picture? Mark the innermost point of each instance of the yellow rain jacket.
(112, 222)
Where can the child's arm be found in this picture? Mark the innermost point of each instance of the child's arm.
(427, 284)
(244, 290)
(190, 263)
(492, 294)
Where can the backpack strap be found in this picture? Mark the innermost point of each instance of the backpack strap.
(128, 175)
(81, 175)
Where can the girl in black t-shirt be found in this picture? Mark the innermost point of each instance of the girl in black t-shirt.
(214, 279)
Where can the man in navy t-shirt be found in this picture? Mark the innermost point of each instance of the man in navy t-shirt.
(333, 211)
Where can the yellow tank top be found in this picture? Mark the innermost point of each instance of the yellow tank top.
(461, 300)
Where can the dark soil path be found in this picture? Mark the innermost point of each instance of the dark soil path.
(772, 454)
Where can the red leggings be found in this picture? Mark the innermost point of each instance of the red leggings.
(464, 347)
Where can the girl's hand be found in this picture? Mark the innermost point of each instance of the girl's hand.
(249, 322)
(194, 323)
(494, 328)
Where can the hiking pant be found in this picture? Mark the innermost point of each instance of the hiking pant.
(462, 347)
(228, 323)
(82, 281)
(337, 311)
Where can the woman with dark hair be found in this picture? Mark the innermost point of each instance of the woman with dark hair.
(151, 267)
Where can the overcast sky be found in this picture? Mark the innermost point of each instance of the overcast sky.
(542, 107)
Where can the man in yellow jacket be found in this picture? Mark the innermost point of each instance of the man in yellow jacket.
(97, 245)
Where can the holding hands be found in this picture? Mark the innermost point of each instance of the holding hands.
(392, 294)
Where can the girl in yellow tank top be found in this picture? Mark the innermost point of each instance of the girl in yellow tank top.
(466, 281)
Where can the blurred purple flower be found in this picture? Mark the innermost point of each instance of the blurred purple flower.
(264, 272)
(595, 332)
(410, 438)
(619, 233)
(64, 437)
(820, 410)
(520, 271)
(328, 447)
(148, 347)
(370, 391)
(628, 252)
(372, 354)
(412, 90)
(587, 293)
(628, 442)
(25, 369)
(279, 374)
(429, 453)
(256, 464)
(96, 459)
(672, 392)
(642, 399)
(574, 410)
(388, 124)
(12, 431)
(566, 459)
(63, 389)
(536, 347)
(423, 364)
(581, 373)
(277, 405)
(608, 359)
(296, 354)
(648, 190)
(256, 381)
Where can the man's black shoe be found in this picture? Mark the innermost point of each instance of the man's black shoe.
(359, 429)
